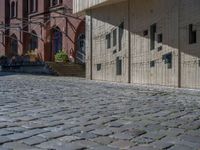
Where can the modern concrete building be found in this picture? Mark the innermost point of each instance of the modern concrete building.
(44, 26)
(143, 41)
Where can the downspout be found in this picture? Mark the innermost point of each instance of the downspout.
(179, 50)
(91, 47)
(129, 44)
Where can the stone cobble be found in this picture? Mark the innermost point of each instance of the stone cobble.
(58, 113)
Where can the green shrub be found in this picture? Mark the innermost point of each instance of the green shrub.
(61, 56)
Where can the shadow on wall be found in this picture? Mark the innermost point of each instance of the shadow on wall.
(156, 22)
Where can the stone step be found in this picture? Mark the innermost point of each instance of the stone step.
(67, 69)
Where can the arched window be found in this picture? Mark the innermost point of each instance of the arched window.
(34, 41)
(56, 40)
(14, 45)
(33, 5)
(55, 2)
(13, 11)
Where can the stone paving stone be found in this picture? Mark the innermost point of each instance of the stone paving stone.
(4, 132)
(4, 148)
(52, 135)
(18, 136)
(17, 146)
(87, 135)
(181, 147)
(16, 129)
(86, 143)
(70, 146)
(34, 140)
(190, 138)
(51, 144)
(103, 140)
(144, 147)
(122, 144)
(69, 139)
(122, 136)
(102, 132)
(89, 113)
(102, 147)
(4, 140)
(162, 145)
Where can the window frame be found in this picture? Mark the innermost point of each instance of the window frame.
(192, 34)
(33, 6)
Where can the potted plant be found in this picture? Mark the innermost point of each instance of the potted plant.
(61, 56)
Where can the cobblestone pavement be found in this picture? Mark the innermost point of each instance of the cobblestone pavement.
(57, 113)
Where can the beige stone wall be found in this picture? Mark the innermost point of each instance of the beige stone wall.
(80, 5)
(172, 18)
(190, 56)
(104, 21)
(143, 15)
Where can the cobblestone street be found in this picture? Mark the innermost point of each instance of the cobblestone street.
(57, 113)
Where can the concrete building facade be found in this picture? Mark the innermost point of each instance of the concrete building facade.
(153, 42)
(42, 26)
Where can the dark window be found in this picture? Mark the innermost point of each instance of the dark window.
(168, 60)
(14, 45)
(34, 41)
(114, 37)
(199, 63)
(13, 10)
(152, 63)
(33, 6)
(152, 38)
(98, 67)
(160, 48)
(160, 38)
(115, 51)
(108, 40)
(145, 33)
(56, 2)
(192, 35)
(118, 66)
(121, 33)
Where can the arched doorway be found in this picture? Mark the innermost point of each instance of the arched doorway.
(14, 45)
(80, 53)
(33, 41)
(56, 41)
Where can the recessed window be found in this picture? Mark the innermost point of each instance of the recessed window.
(33, 4)
(33, 41)
(199, 63)
(98, 67)
(168, 60)
(160, 38)
(121, 33)
(108, 41)
(114, 51)
(118, 66)
(192, 35)
(145, 33)
(13, 9)
(152, 63)
(152, 37)
(114, 37)
(55, 2)
(160, 48)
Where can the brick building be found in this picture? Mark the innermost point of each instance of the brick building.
(43, 26)
(143, 41)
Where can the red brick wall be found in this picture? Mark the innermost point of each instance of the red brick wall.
(70, 26)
